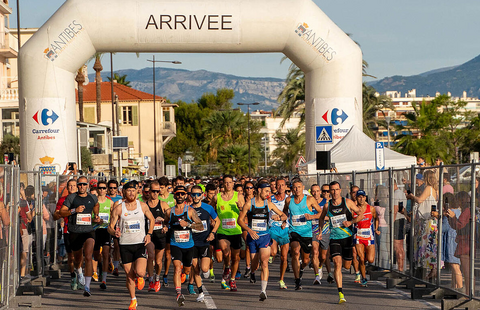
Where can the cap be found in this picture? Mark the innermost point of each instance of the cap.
(419, 176)
(130, 185)
(124, 180)
(93, 182)
(180, 189)
(361, 193)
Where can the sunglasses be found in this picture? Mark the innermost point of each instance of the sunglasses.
(82, 184)
(154, 191)
(180, 194)
(112, 188)
(102, 188)
(325, 190)
(288, 191)
(196, 194)
(249, 187)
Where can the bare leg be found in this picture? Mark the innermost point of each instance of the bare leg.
(400, 254)
(295, 258)
(168, 259)
(130, 280)
(284, 260)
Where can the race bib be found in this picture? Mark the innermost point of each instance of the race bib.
(229, 223)
(84, 219)
(315, 222)
(259, 225)
(337, 221)
(182, 236)
(158, 225)
(104, 216)
(204, 222)
(132, 227)
(299, 220)
(364, 232)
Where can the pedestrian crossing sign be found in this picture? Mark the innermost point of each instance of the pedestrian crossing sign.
(324, 134)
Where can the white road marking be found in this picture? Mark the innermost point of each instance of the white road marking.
(209, 303)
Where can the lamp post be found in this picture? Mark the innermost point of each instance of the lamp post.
(388, 118)
(155, 108)
(248, 130)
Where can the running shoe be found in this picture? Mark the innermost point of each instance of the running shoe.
(263, 296)
(110, 267)
(201, 297)
(238, 275)
(317, 281)
(183, 277)
(224, 285)
(95, 277)
(115, 272)
(233, 286)
(86, 292)
(103, 285)
(81, 279)
(191, 290)
(140, 283)
(270, 260)
(133, 304)
(282, 284)
(364, 282)
(301, 273)
(330, 279)
(357, 278)
(246, 275)
(180, 300)
(320, 272)
(341, 298)
(73, 283)
(157, 286)
(226, 274)
(151, 286)
(253, 279)
(165, 281)
(212, 277)
(298, 285)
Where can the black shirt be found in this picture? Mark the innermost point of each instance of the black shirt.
(81, 222)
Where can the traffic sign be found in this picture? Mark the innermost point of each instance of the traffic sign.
(324, 134)
(300, 161)
(379, 156)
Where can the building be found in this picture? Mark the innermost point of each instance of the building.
(136, 120)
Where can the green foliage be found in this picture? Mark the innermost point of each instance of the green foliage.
(372, 105)
(10, 144)
(86, 157)
(221, 100)
(120, 79)
(290, 146)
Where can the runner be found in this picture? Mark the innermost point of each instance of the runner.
(156, 248)
(168, 198)
(300, 215)
(248, 194)
(102, 237)
(316, 243)
(364, 236)
(114, 196)
(340, 215)
(202, 239)
(182, 219)
(279, 236)
(353, 197)
(210, 192)
(257, 211)
(145, 192)
(79, 207)
(130, 215)
(325, 242)
(228, 206)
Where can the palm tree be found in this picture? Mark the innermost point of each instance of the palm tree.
(290, 146)
(97, 66)
(80, 79)
(372, 105)
(121, 79)
(234, 159)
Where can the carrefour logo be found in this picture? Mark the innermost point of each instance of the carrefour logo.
(335, 117)
(45, 116)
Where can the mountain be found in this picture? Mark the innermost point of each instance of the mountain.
(456, 79)
(188, 86)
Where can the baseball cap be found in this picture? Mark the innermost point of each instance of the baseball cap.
(361, 192)
(93, 182)
(180, 189)
(124, 180)
(130, 185)
(419, 176)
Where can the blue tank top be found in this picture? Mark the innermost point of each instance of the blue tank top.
(296, 217)
(180, 236)
(258, 217)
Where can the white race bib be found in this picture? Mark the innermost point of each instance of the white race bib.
(364, 232)
(84, 219)
(132, 227)
(259, 225)
(104, 216)
(182, 236)
(158, 224)
(299, 220)
(229, 223)
(337, 221)
(204, 222)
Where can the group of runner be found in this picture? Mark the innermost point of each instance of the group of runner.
(156, 222)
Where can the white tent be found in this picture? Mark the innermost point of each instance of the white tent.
(356, 151)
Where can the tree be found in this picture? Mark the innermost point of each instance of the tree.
(372, 105)
(290, 146)
(80, 79)
(121, 79)
(234, 159)
(222, 100)
(86, 157)
(10, 144)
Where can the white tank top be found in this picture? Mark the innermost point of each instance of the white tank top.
(132, 225)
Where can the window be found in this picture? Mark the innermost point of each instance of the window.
(9, 113)
(89, 115)
(130, 115)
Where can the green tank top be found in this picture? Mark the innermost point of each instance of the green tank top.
(169, 200)
(228, 213)
(104, 213)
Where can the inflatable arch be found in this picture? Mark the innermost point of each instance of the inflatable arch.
(332, 62)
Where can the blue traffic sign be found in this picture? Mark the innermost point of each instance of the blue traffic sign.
(324, 134)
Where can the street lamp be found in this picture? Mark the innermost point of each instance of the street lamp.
(248, 130)
(155, 108)
(388, 118)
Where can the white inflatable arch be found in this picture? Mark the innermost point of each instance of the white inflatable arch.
(332, 62)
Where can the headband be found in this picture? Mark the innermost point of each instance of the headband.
(263, 185)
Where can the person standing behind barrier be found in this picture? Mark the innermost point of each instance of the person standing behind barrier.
(26, 218)
(382, 239)
(426, 231)
(399, 225)
(462, 226)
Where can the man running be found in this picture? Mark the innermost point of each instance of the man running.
(229, 204)
(210, 192)
(257, 212)
(156, 248)
(353, 197)
(300, 215)
(316, 243)
(279, 236)
(202, 256)
(130, 215)
(168, 198)
(114, 196)
(182, 219)
(340, 212)
(325, 242)
(79, 207)
(102, 237)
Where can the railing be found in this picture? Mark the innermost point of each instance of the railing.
(170, 126)
(9, 94)
(10, 42)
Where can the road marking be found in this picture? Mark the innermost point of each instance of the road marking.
(208, 299)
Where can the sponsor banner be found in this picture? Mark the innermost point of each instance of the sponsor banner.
(189, 22)
(339, 113)
(62, 39)
(318, 42)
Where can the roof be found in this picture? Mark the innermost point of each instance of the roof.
(123, 92)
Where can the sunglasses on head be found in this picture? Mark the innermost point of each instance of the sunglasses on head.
(154, 191)
(82, 184)
(195, 194)
(102, 188)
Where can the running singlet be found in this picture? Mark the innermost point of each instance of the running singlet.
(204, 212)
(365, 226)
(103, 214)
(159, 216)
(169, 200)
(326, 226)
(337, 215)
(115, 198)
(258, 217)
(180, 236)
(228, 214)
(132, 225)
(279, 205)
(296, 217)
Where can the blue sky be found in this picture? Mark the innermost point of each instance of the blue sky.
(397, 37)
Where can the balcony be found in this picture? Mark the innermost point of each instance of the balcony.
(169, 129)
(4, 8)
(9, 94)
(9, 46)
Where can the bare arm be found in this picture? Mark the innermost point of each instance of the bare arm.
(274, 208)
(423, 196)
(240, 202)
(321, 220)
(375, 216)
(114, 219)
(4, 215)
(149, 216)
(313, 205)
(353, 207)
(197, 225)
(243, 215)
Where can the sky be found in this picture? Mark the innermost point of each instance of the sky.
(397, 38)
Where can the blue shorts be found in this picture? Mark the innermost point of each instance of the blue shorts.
(280, 235)
(261, 243)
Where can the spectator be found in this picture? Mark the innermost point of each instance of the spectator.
(421, 162)
(26, 217)
(399, 225)
(462, 226)
(420, 184)
(382, 239)
(447, 188)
